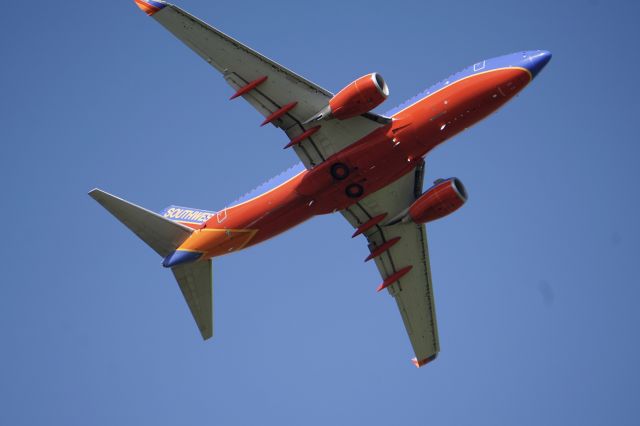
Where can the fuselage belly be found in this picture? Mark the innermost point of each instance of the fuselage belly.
(374, 162)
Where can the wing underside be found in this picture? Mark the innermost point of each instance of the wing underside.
(279, 89)
(413, 292)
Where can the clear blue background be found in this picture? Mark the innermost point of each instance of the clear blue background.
(535, 278)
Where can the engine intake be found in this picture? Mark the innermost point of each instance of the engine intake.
(357, 98)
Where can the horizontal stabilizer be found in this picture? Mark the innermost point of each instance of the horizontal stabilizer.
(196, 286)
(162, 235)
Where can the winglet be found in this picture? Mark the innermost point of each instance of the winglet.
(150, 6)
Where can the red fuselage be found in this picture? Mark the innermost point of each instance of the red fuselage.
(374, 161)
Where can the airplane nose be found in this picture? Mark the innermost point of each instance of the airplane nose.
(536, 60)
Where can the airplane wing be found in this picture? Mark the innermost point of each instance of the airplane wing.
(284, 98)
(413, 291)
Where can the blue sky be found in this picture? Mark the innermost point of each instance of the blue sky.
(535, 278)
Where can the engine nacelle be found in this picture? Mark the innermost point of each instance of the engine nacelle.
(442, 199)
(357, 98)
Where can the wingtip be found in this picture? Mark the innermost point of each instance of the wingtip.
(94, 192)
(150, 7)
(423, 362)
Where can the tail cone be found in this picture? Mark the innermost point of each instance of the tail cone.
(180, 257)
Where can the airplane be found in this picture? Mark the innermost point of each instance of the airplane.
(368, 167)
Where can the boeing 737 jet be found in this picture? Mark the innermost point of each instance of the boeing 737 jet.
(365, 166)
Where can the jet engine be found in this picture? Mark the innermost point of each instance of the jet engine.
(357, 98)
(442, 199)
